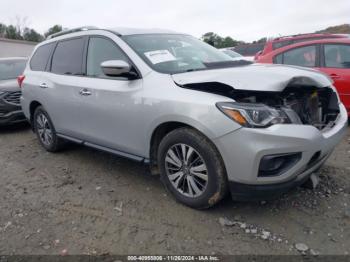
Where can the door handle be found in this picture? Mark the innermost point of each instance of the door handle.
(84, 92)
(43, 85)
(334, 76)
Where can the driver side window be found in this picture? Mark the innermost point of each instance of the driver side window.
(101, 50)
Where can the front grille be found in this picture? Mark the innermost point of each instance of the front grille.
(13, 98)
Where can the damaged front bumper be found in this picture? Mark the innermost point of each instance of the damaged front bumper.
(244, 149)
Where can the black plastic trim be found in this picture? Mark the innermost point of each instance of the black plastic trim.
(291, 159)
(246, 192)
(105, 149)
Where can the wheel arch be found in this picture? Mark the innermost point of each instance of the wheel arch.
(160, 131)
(32, 107)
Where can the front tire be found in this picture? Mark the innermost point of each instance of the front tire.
(192, 168)
(45, 131)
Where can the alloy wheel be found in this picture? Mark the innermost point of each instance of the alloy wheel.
(44, 129)
(186, 170)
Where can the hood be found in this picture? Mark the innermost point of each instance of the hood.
(256, 77)
(9, 85)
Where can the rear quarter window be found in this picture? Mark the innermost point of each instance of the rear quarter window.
(41, 57)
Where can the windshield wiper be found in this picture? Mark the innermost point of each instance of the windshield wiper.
(223, 64)
(194, 69)
(75, 74)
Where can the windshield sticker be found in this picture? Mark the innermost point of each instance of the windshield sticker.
(160, 56)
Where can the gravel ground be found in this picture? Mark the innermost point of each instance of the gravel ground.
(82, 201)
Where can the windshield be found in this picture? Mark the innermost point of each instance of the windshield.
(171, 53)
(10, 69)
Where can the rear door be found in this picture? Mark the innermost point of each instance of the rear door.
(63, 85)
(35, 76)
(336, 63)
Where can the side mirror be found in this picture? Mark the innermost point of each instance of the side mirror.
(115, 68)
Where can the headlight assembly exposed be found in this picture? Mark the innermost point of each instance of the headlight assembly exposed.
(253, 115)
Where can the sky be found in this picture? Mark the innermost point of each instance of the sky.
(245, 20)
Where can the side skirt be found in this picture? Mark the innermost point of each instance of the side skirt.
(106, 149)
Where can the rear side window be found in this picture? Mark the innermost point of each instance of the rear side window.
(302, 56)
(68, 57)
(337, 56)
(101, 50)
(41, 57)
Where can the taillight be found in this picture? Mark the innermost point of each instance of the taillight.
(20, 80)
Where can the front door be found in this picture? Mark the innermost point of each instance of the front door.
(110, 113)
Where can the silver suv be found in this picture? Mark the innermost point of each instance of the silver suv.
(207, 123)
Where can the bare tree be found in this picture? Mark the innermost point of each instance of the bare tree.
(21, 23)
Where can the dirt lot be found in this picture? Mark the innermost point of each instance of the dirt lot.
(82, 201)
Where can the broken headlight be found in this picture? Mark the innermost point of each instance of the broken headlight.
(253, 115)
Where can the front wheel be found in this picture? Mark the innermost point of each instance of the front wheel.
(192, 168)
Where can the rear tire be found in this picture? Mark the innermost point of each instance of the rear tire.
(45, 131)
(192, 168)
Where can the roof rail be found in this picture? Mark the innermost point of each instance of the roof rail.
(305, 34)
(69, 31)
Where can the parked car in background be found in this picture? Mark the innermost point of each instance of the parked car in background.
(230, 52)
(249, 50)
(233, 54)
(10, 93)
(206, 123)
(330, 56)
(279, 42)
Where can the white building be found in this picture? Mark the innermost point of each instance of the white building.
(15, 48)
